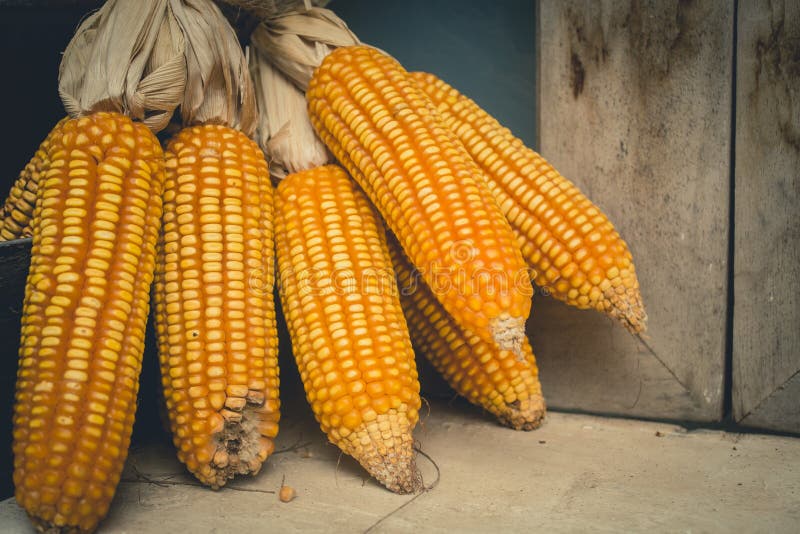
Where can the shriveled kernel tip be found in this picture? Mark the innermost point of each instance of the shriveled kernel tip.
(235, 403)
(230, 415)
(221, 458)
(255, 397)
(237, 390)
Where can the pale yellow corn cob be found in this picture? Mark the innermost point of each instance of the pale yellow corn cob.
(95, 226)
(387, 133)
(215, 311)
(349, 337)
(571, 247)
(498, 380)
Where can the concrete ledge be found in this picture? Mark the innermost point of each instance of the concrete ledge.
(576, 473)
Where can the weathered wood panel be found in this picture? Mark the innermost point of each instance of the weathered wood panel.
(635, 107)
(766, 342)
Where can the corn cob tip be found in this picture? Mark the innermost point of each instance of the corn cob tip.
(628, 309)
(240, 448)
(509, 333)
(527, 414)
(384, 447)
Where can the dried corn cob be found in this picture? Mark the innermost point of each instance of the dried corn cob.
(95, 227)
(572, 249)
(349, 337)
(497, 380)
(387, 133)
(218, 341)
(18, 208)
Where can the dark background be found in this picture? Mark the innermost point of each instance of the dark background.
(485, 49)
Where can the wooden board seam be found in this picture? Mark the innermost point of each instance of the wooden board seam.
(763, 401)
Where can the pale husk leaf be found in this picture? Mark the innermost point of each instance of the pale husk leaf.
(284, 129)
(110, 64)
(218, 87)
(165, 80)
(297, 42)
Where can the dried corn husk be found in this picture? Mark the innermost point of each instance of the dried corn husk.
(284, 129)
(126, 57)
(218, 86)
(297, 42)
(144, 58)
(285, 50)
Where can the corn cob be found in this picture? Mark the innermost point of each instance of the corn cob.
(387, 133)
(215, 311)
(571, 247)
(497, 380)
(95, 227)
(18, 208)
(348, 333)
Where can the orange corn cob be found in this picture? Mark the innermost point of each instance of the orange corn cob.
(571, 247)
(95, 227)
(497, 380)
(387, 133)
(348, 333)
(215, 311)
(18, 208)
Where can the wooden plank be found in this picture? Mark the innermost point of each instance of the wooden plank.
(635, 107)
(780, 410)
(766, 343)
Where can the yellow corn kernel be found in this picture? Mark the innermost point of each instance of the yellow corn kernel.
(215, 313)
(557, 227)
(349, 337)
(16, 214)
(431, 194)
(77, 381)
(497, 380)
